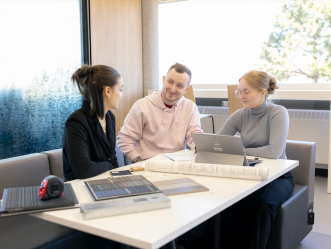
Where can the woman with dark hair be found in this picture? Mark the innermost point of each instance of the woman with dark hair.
(263, 128)
(89, 134)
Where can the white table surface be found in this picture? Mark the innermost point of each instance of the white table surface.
(154, 229)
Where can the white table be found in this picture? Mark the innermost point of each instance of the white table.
(154, 229)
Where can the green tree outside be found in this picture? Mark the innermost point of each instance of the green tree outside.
(301, 44)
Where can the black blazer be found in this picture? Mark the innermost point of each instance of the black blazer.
(87, 151)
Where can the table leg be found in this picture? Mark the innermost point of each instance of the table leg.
(172, 244)
(217, 232)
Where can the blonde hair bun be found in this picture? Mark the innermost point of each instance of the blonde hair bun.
(272, 85)
(260, 80)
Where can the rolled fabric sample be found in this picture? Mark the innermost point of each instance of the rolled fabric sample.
(203, 169)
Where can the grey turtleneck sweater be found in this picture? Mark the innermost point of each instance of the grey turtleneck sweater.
(263, 130)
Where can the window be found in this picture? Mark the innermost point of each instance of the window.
(221, 40)
(40, 48)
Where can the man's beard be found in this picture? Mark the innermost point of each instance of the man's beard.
(164, 93)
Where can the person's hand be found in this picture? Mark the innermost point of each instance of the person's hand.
(137, 159)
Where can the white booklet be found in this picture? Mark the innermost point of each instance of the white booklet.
(181, 156)
(218, 170)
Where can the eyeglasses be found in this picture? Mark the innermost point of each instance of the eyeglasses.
(238, 93)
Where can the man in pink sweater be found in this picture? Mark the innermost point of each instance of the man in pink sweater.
(160, 122)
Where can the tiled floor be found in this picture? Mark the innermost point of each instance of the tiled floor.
(320, 237)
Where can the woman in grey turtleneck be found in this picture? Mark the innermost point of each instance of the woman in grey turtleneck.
(263, 129)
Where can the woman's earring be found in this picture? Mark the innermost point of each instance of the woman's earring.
(108, 97)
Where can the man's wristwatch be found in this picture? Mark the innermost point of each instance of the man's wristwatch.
(137, 159)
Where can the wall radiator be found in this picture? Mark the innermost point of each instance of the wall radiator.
(305, 125)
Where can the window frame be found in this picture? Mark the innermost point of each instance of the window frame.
(85, 31)
(300, 91)
(285, 91)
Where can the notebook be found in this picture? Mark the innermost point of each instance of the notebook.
(124, 186)
(26, 200)
(177, 156)
(179, 186)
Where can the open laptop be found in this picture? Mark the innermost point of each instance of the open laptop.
(220, 149)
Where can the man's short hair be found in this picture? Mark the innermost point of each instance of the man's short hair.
(180, 68)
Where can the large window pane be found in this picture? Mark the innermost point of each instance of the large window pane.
(40, 47)
(222, 40)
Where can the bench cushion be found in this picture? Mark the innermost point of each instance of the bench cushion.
(55, 162)
(304, 174)
(23, 171)
(291, 222)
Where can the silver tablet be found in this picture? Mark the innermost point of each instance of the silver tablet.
(220, 149)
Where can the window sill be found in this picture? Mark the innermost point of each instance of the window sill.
(280, 94)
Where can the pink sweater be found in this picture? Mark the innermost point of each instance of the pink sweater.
(150, 128)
